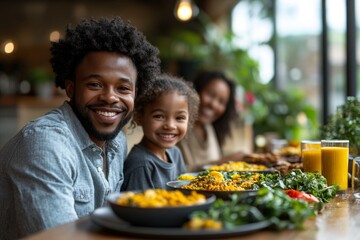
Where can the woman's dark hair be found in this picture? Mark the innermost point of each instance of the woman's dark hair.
(222, 124)
(111, 35)
(166, 83)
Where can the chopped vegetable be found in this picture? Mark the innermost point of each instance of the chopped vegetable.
(269, 204)
(301, 195)
(309, 182)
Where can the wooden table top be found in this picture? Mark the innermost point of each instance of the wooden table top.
(340, 219)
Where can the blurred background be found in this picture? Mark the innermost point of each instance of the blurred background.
(294, 61)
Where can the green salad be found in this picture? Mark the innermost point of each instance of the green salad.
(284, 201)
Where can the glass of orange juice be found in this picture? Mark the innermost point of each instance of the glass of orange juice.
(311, 155)
(335, 162)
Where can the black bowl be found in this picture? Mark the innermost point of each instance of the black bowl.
(157, 216)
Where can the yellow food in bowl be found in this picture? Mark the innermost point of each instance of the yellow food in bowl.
(238, 166)
(158, 208)
(160, 198)
(186, 177)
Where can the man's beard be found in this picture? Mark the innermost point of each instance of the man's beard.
(91, 130)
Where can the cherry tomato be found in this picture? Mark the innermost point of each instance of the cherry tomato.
(301, 195)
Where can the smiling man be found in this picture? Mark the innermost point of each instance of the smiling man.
(62, 165)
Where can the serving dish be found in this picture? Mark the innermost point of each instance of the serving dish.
(106, 218)
(171, 216)
(219, 194)
(238, 169)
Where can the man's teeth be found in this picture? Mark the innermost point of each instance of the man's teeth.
(107, 114)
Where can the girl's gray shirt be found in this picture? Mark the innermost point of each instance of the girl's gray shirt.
(144, 170)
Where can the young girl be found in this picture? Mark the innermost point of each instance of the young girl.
(165, 112)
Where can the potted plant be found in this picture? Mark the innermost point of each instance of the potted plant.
(345, 124)
(41, 81)
(285, 112)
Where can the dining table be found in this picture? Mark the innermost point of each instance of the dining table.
(338, 219)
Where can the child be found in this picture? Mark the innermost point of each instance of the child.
(165, 112)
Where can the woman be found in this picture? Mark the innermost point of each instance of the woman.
(217, 110)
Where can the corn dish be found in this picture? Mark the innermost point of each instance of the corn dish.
(224, 181)
(160, 198)
(186, 177)
(238, 166)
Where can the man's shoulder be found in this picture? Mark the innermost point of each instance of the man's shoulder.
(52, 120)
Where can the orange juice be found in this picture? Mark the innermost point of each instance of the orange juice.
(311, 159)
(334, 165)
(311, 155)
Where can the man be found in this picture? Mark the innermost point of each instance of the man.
(63, 165)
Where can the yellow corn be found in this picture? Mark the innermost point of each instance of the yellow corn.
(160, 198)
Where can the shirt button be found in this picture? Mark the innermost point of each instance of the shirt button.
(94, 149)
(81, 196)
(99, 169)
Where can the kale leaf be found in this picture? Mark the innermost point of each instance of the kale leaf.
(269, 204)
(309, 182)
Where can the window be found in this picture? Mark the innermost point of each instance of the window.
(296, 55)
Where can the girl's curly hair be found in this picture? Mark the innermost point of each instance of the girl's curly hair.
(112, 35)
(166, 83)
(221, 125)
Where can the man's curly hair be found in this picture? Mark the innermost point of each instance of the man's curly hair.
(111, 35)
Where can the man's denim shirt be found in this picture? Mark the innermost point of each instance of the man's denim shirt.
(52, 173)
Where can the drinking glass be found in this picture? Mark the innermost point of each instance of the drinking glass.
(355, 176)
(335, 162)
(277, 144)
(311, 155)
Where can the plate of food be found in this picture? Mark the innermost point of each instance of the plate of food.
(220, 183)
(107, 219)
(268, 159)
(239, 166)
(158, 207)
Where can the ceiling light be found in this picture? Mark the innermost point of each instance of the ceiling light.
(54, 36)
(184, 10)
(9, 47)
